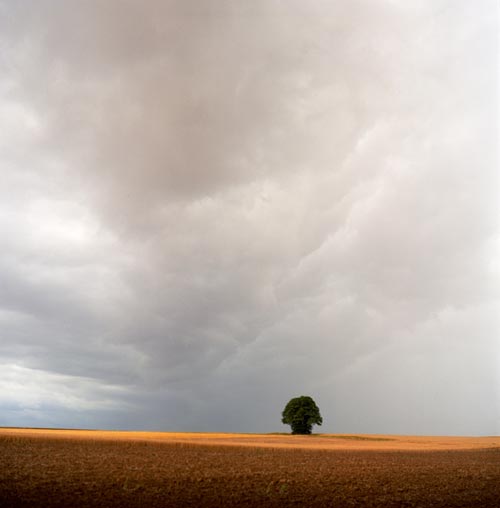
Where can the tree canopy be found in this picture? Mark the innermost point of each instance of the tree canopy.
(301, 413)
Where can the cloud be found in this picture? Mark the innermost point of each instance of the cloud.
(213, 208)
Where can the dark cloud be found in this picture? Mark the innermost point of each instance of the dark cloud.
(208, 209)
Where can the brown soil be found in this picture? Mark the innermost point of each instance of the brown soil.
(107, 469)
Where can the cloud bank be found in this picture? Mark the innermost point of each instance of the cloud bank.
(208, 208)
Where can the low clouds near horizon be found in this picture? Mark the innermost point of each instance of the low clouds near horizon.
(207, 208)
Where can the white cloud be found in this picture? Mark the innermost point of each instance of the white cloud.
(225, 205)
(32, 389)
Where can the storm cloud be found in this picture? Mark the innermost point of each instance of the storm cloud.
(207, 208)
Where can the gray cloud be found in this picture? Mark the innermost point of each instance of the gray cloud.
(207, 209)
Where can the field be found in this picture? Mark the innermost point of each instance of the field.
(68, 468)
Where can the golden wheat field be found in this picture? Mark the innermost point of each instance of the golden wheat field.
(81, 468)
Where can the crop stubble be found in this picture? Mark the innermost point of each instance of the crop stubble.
(58, 469)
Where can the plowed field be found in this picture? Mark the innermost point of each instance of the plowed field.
(124, 469)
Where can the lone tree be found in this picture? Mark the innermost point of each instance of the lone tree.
(301, 413)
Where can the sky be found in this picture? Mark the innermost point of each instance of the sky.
(208, 208)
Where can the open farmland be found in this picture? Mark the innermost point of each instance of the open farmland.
(65, 468)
